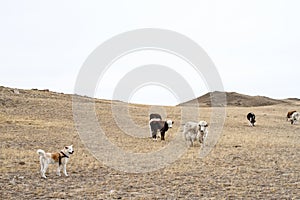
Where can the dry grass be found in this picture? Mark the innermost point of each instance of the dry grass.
(247, 163)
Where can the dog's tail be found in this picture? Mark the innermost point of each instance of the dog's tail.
(41, 152)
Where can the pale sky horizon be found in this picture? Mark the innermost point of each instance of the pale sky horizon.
(255, 45)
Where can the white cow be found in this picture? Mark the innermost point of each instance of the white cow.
(295, 117)
(195, 131)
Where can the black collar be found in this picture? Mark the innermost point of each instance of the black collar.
(64, 155)
(60, 157)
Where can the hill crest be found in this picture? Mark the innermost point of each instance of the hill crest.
(216, 98)
(232, 99)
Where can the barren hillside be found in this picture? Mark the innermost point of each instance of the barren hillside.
(261, 162)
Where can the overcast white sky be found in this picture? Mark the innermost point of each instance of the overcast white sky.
(255, 45)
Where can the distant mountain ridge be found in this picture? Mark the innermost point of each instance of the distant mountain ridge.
(234, 99)
(207, 100)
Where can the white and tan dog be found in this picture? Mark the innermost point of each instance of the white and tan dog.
(60, 158)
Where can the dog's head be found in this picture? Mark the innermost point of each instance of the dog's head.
(69, 149)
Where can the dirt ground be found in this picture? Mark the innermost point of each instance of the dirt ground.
(261, 162)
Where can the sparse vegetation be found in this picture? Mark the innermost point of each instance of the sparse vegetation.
(261, 162)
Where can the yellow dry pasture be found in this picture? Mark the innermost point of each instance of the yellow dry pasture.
(261, 162)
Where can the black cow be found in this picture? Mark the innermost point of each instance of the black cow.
(158, 124)
(251, 118)
(155, 116)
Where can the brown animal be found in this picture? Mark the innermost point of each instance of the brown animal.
(289, 115)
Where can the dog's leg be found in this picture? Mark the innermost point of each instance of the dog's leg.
(45, 166)
(65, 169)
(42, 166)
(190, 142)
(58, 170)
